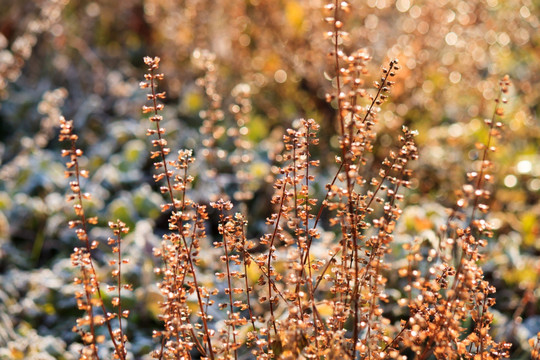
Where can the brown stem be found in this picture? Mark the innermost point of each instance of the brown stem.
(229, 284)
(119, 284)
(92, 269)
(175, 206)
(271, 245)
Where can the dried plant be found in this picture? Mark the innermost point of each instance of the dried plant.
(227, 295)
(455, 289)
(91, 299)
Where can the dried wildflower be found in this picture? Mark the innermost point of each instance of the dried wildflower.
(118, 228)
(320, 278)
(179, 256)
(91, 297)
(458, 293)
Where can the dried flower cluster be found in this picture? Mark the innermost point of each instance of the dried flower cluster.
(454, 290)
(91, 299)
(180, 247)
(227, 296)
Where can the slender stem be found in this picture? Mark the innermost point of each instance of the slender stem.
(119, 285)
(229, 284)
(175, 206)
(91, 313)
(334, 179)
(90, 261)
(269, 262)
(299, 280)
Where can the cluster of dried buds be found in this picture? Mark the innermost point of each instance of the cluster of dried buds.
(90, 299)
(181, 246)
(451, 294)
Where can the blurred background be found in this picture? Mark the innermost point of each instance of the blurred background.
(237, 73)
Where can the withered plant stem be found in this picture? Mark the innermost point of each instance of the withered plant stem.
(175, 206)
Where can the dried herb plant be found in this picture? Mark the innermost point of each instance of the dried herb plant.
(455, 290)
(91, 298)
(179, 256)
(229, 296)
